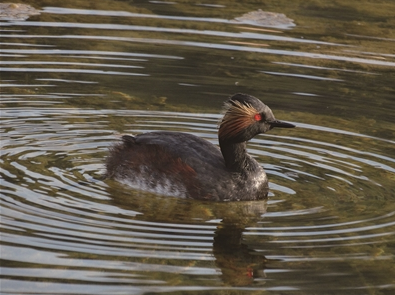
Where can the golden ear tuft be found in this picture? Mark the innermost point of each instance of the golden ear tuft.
(238, 116)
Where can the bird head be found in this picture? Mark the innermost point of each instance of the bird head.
(245, 117)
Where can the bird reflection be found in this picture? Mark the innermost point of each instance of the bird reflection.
(239, 265)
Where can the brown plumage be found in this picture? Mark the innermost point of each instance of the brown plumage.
(237, 117)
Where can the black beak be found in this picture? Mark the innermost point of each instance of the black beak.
(281, 124)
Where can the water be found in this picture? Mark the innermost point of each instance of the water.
(79, 74)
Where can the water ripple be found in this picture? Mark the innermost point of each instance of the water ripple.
(75, 79)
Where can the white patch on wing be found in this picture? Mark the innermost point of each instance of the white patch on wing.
(154, 183)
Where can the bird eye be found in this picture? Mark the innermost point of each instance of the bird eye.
(257, 117)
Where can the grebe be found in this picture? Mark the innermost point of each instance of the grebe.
(184, 165)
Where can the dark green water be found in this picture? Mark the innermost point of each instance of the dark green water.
(80, 73)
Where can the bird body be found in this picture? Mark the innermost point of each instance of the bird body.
(184, 165)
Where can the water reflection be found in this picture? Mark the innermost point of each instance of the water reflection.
(239, 265)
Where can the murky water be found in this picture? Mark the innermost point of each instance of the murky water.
(79, 74)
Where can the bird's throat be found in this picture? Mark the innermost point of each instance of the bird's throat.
(235, 156)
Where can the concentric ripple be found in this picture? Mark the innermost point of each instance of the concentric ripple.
(63, 225)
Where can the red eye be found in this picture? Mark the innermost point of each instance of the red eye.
(257, 117)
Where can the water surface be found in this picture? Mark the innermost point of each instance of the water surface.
(77, 75)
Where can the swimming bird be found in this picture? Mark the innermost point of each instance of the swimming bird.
(184, 165)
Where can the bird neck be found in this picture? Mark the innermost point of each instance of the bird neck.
(236, 157)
